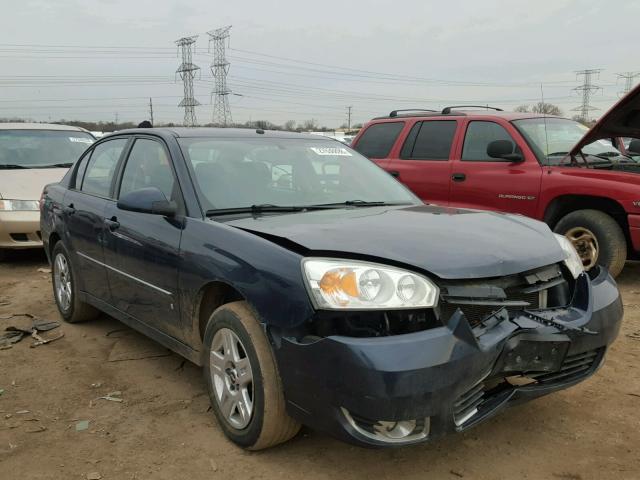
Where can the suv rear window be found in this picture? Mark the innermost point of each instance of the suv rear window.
(377, 140)
(429, 140)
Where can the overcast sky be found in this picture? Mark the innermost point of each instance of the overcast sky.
(93, 60)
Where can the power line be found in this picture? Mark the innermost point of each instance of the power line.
(349, 116)
(587, 89)
(629, 78)
(220, 70)
(187, 71)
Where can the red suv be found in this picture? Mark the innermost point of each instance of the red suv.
(581, 182)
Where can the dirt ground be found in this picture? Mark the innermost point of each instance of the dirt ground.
(163, 430)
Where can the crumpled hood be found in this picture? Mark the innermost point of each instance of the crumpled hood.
(447, 242)
(622, 120)
(27, 184)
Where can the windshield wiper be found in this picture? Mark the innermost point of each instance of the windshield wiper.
(258, 209)
(56, 165)
(12, 166)
(360, 203)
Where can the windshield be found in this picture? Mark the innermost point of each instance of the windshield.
(552, 138)
(41, 148)
(236, 173)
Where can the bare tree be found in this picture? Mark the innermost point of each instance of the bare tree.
(290, 125)
(540, 107)
(311, 124)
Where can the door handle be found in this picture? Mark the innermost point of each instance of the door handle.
(458, 177)
(394, 173)
(69, 209)
(112, 223)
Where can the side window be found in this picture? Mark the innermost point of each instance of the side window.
(148, 166)
(478, 137)
(102, 166)
(378, 139)
(429, 140)
(82, 166)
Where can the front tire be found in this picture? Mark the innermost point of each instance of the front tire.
(65, 289)
(243, 380)
(597, 237)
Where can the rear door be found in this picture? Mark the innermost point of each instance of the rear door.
(378, 140)
(423, 163)
(83, 210)
(479, 181)
(142, 250)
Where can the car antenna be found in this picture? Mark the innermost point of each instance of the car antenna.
(544, 119)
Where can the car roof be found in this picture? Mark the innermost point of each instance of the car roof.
(40, 126)
(468, 114)
(204, 132)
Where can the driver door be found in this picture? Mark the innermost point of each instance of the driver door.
(479, 181)
(142, 250)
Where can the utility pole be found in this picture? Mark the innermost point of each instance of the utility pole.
(629, 78)
(116, 124)
(187, 71)
(586, 90)
(151, 110)
(349, 117)
(220, 70)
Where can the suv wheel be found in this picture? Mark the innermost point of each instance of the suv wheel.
(597, 237)
(243, 381)
(65, 290)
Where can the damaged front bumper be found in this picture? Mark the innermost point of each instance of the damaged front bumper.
(415, 387)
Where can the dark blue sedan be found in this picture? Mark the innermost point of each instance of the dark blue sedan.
(315, 289)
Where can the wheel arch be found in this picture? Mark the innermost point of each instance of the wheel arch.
(211, 296)
(565, 204)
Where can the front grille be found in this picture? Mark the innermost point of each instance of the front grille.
(573, 366)
(478, 300)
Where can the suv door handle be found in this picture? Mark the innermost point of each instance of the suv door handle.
(69, 209)
(458, 177)
(112, 223)
(394, 173)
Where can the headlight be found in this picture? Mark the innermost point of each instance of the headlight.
(572, 260)
(351, 285)
(18, 205)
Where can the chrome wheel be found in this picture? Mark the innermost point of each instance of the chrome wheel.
(232, 378)
(586, 244)
(62, 281)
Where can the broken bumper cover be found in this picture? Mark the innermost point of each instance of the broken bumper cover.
(449, 378)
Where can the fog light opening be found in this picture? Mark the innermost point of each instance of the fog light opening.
(402, 431)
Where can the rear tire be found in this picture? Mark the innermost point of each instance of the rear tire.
(65, 288)
(268, 423)
(610, 242)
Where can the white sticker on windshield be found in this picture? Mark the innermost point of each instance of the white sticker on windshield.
(81, 140)
(332, 151)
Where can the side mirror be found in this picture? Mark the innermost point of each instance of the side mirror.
(148, 200)
(634, 147)
(504, 150)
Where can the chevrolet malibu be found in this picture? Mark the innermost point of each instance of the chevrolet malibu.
(315, 289)
(32, 155)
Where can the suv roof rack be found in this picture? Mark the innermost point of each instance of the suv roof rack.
(447, 110)
(394, 113)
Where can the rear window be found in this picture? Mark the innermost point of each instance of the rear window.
(41, 148)
(429, 140)
(378, 139)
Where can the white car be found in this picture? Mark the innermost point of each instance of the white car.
(31, 156)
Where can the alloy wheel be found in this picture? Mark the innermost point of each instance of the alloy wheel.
(586, 244)
(62, 281)
(232, 378)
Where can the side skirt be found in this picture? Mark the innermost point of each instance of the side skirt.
(153, 333)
